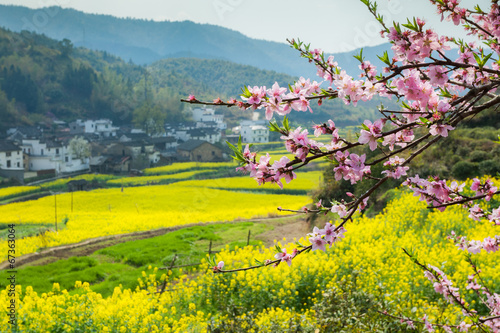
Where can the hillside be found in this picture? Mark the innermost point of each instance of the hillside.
(44, 79)
(145, 42)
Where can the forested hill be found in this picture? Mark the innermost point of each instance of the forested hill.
(145, 42)
(41, 78)
(209, 77)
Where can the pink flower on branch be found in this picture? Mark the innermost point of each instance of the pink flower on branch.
(284, 257)
(440, 129)
(219, 267)
(396, 167)
(371, 133)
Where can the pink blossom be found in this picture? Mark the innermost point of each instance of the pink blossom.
(318, 243)
(339, 209)
(396, 167)
(329, 232)
(373, 133)
(463, 327)
(440, 129)
(495, 216)
(476, 213)
(428, 326)
(437, 75)
(447, 329)
(491, 244)
(257, 96)
(472, 284)
(476, 183)
(284, 257)
(474, 247)
(219, 267)
(276, 91)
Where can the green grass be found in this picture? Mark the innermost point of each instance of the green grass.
(27, 230)
(123, 263)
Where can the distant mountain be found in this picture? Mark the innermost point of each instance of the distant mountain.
(145, 42)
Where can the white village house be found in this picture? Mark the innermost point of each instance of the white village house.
(51, 155)
(101, 127)
(11, 160)
(208, 115)
(253, 131)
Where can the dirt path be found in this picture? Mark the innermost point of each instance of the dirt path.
(288, 227)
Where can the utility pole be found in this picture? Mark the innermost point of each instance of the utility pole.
(55, 209)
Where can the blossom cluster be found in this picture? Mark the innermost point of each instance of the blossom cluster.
(436, 92)
(330, 234)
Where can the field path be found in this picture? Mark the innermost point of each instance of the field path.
(290, 229)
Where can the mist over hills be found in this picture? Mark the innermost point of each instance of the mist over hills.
(144, 42)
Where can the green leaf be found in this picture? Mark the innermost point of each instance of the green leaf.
(233, 148)
(445, 93)
(397, 27)
(424, 120)
(385, 58)
(411, 25)
(273, 127)
(487, 58)
(246, 93)
(359, 57)
(286, 124)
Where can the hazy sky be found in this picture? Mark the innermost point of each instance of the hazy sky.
(333, 25)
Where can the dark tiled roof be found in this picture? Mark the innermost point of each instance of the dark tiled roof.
(137, 136)
(30, 131)
(8, 146)
(164, 139)
(137, 143)
(53, 144)
(211, 131)
(197, 132)
(191, 144)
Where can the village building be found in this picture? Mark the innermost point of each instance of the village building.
(55, 156)
(199, 151)
(11, 160)
(101, 127)
(254, 131)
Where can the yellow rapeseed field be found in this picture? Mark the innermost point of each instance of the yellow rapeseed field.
(306, 181)
(17, 190)
(113, 211)
(181, 167)
(371, 251)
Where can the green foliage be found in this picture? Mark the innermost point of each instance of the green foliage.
(489, 167)
(150, 118)
(464, 169)
(347, 308)
(123, 263)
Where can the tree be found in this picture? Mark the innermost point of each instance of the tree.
(150, 118)
(66, 47)
(436, 94)
(79, 147)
